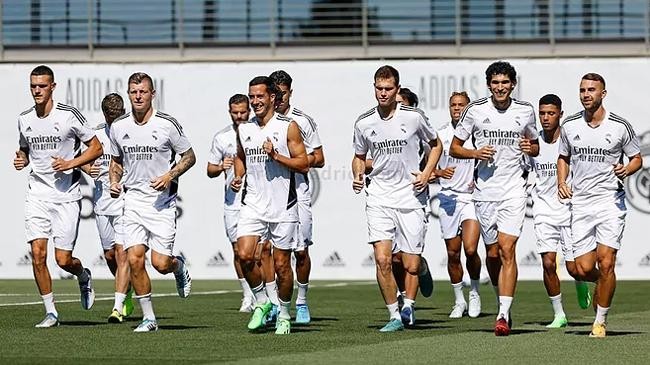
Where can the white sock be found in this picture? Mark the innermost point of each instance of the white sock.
(119, 301)
(393, 311)
(260, 294)
(474, 284)
(458, 292)
(556, 301)
(601, 314)
(245, 288)
(48, 301)
(302, 293)
(409, 303)
(504, 306)
(272, 292)
(284, 310)
(83, 277)
(147, 306)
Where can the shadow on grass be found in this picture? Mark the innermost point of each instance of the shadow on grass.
(609, 333)
(571, 324)
(178, 327)
(82, 323)
(516, 331)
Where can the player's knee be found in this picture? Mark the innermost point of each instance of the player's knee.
(572, 269)
(39, 257)
(548, 264)
(63, 258)
(493, 252)
(470, 252)
(136, 262)
(384, 263)
(606, 265)
(110, 255)
(453, 256)
(162, 266)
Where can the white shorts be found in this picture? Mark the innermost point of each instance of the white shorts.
(155, 228)
(283, 235)
(305, 225)
(593, 225)
(230, 219)
(452, 215)
(406, 228)
(60, 221)
(505, 216)
(551, 238)
(111, 230)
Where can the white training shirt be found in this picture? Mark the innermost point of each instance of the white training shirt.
(504, 176)
(148, 152)
(462, 183)
(547, 207)
(103, 203)
(224, 144)
(311, 139)
(593, 153)
(59, 134)
(394, 146)
(269, 187)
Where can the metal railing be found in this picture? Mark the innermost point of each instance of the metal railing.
(95, 24)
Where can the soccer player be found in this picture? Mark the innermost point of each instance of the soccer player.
(592, 145)
(552, 218)
(270, 152)
(314, 149)
(49, 136)
(395, 188)
(109, 212)
(143, 145)
(503, 130)
(458, 223)
(222, 157)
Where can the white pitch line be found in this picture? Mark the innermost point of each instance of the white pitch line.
(214, 292)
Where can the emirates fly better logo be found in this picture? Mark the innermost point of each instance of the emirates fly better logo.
(637, 186)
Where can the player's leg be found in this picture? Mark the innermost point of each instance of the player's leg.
(582, 289)
(65, 225)
(552, 285)
(162, 256)
(400, 277)
(470, 235)
(284, 237)
(270, 284)
(411, 267)
(606, 257)
(303, 260)
(135, 253)
(487, 218)
(411, 226)
(455, 271)
(248, 298)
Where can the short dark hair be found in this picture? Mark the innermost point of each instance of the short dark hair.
(238, 99)
(594, 77)
(280, 77)
(265, 80)
(138, 77)
(386, 72)
(409, 96)
(113, 105)
(551, 99)
(42, 70)
(501, 68)
(460, 93)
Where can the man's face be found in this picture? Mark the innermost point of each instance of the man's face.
(456, 106)
(262, 101)
(549, 116)
(591, 94)
(283, 104)
(41, 87)
(501, 87)
(386, 91)
(239, 112)
(141, 96)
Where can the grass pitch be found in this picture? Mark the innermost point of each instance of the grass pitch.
(207, 328)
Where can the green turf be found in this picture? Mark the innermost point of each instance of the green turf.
(207, 328)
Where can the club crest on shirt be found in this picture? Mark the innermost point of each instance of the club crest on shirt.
(154, 135)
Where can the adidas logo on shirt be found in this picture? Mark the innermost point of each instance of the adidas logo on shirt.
(334, 259)
(126, 136)
(531, 259)
(487, 121)
(369, 261)
(217, 260)
(645, 261)
(29, 129)
(25, 260)
(576, 138)
(373, 133)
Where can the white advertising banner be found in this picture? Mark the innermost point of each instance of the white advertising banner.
(334, 94)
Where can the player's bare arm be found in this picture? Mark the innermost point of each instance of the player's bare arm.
(93, 151)
(22, 158)
(298, 161)
(358, 168)
(317, 158)
(216, 170)
(115, 171)
(188, 159)
(240, 167)
(529, 146)
(563, 189)
(634, 165)
(458, 151)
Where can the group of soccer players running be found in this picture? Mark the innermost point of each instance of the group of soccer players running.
(578, 165)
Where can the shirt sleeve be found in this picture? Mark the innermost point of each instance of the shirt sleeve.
(178, 140)
(465, 127)
(22, 141)
(114, 147)
(216, 154)
(80, 128)
(564, 148)
(531, 129)
(426, 132)
(630, 142)
(359, 143)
